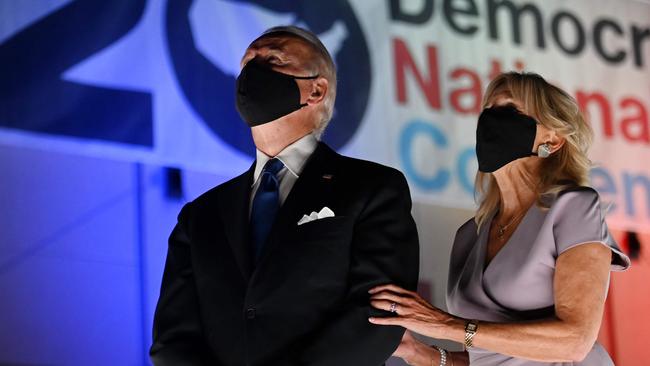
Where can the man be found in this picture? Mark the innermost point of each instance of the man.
(273, 267)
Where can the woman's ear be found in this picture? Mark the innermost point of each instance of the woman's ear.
(318, 91)
(553, 140)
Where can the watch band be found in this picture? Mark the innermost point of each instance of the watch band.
(470, 331)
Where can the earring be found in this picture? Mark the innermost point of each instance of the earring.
(544, 150)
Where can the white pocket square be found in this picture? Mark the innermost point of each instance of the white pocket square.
(323, 213)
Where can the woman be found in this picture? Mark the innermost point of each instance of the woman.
(529, 273)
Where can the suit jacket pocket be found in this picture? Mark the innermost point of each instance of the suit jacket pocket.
(321, 252)
(326, 228)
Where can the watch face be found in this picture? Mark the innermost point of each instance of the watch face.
(471, 327)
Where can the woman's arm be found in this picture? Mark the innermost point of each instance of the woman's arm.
(417, 353)
(580, 288)
(429, 356)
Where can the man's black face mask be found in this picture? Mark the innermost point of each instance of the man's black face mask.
(503, 134)
(264, 95)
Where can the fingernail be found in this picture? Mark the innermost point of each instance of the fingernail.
(372, 320)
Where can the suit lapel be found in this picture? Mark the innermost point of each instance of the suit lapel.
(313, 188)
(234, 207)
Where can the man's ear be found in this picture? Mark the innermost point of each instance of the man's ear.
(318, 91)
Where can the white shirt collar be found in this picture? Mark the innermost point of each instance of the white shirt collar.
(293, 156)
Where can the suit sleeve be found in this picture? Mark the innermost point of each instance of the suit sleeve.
(385, 250)
(177, 331)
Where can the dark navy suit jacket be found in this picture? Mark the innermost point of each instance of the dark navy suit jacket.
(305, 302)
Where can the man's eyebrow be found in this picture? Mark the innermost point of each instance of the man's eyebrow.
(275, 52)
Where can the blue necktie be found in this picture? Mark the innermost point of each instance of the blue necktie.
(265, 205)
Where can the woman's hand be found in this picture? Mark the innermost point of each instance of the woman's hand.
(412, 351)
(407, 348)
(414, 313)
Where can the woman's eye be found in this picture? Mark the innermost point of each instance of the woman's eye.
(514, 106)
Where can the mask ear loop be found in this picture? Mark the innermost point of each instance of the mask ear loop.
(304, 77)
(302, 105)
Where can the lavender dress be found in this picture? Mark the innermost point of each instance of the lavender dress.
(517, 285)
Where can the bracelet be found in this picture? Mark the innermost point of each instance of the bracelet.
(443, 356)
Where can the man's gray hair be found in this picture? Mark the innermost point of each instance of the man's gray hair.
(325, 68)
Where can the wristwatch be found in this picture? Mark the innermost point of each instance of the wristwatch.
(470, 331)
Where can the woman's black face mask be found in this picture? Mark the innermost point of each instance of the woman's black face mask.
(503, 134)
(264, 95)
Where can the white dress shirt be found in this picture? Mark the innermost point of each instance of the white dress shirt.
(293, 157)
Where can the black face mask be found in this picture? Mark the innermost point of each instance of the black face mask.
(503, 135)
(264, 95)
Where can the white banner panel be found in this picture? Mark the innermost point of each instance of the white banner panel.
(154, 81)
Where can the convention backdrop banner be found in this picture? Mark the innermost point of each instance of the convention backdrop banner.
(154, 81)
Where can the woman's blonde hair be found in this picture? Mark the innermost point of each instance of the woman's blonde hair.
(558, 111)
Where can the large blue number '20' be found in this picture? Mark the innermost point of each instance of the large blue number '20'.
(34, 97)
